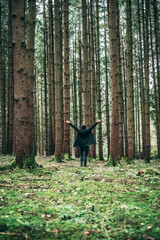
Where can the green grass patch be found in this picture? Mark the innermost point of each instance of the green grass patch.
(65, 201)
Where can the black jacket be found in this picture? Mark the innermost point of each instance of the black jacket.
(85, 136)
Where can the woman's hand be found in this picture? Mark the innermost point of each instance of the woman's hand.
(67, 121)
(99, 121)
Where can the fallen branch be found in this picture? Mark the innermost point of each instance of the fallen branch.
(123, 190)
(14, 234)
(56, 231)
(4, 185)
(24, 211)
(27, 179)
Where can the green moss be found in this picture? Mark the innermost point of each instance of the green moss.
(13, 164)
(9, 166)
(54, 159)
(64, 201)
(66, 157)
(147, 160)
(130, 160)
(30, 163)
(89, 159)
(112, 162)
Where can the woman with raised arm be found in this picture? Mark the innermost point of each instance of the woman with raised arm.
(84, 138)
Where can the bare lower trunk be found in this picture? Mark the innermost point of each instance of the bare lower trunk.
(66, 145)
(130, 94)
(58, 105)
(147, 98)
(10, 84)
(99, 86)
(23, 105)
(114, 148)
(86, 90)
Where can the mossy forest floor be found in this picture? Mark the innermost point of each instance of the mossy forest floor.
(65, 201)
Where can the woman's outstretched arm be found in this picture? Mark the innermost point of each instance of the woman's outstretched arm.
(72, 126)
(98, 121)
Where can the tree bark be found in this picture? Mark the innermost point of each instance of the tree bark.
(41, 113)
(156, 33)
(107, 95)
(61, 73)
(58, 105)
(30, 55)
(80, 82)
(23, 124)
(45, 76)
(10, 84)
(53, 81)
(142, 95)
(155, 90)
(121, 107)
(137, 106)
(50, 88)
(2, 94)
(114, 148)
(1, 84)
(86, 87)
(130, 94)
(147, 93)
(93, 79)
(125, 99)
(66, 145)
(75, 113)
(99, 86)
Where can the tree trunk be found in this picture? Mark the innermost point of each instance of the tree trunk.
(23, 124)
(66, 145)
(155, 92)
(125, 99)
(147, 97)
(1, 84)
(58, 105)
(80, 78)
(45, 76)
(41, 111)
(156, 28)
(137, 106)
(75, 113)
(130, 94)
(107, 95)
(30, 55)
(50, 89)
(99, 87)
(121, 108)
(114, 148)
(93, 79)
(2, 94)
(38, 116)
(142, 95)
(35, 116)
(61, 74)
(53, 81)
(10, 84)
(86, 90)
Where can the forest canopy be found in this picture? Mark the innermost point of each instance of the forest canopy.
(79, 61)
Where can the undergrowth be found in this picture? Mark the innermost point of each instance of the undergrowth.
(65, 201)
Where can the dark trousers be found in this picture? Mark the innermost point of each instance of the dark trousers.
(85, 150)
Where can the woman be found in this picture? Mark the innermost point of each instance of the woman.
(83, 140)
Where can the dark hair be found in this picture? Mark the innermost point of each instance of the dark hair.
(83, 126)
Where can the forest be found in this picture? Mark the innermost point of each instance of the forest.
(79, 62)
